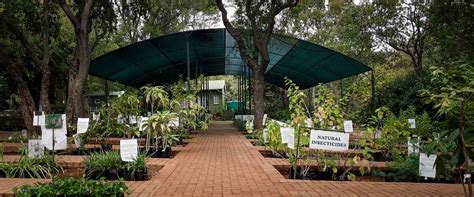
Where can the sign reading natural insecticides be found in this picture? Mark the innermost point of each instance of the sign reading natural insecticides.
(328, 140)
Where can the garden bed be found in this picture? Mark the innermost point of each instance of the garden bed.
(313, 174)
(73, 166)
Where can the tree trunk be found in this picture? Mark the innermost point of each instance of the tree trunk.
(27, 104)
(79, 69)
(46, 72)
(462, 122)
(258, 92)
(418, 63)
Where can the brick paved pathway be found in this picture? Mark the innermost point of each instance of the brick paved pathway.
(221, 162)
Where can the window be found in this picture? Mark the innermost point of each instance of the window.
(216, 99)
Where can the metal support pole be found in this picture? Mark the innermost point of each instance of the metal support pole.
(373, 89)
(244, 82)
(208, 93)
(188, 66)
(341, 83)
(239, 79)
(106, 91)
(250, 92)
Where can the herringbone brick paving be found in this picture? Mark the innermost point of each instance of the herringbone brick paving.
(221, 162)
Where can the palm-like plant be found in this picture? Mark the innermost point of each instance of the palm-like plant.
(158, 125)
(155, 96)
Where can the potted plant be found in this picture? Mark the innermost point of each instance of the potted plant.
(158, 126)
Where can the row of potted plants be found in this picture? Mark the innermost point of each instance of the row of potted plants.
(317, 164)
(110, 166)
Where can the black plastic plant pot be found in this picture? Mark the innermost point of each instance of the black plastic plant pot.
(106, 147)
(153, 153)
(113, 174)
(2, 174)
(81, 151)
(291, 173)
(166, 153)
(324, 175)
(139, 176)
(96, 175)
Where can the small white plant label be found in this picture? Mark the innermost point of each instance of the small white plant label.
(412, 123)
(413, 145)
(427, 167)
(285, 134)
(348, 128)
(128, 149)
(174, 123)
(82, 125)
(291, 138)
(38, 119)
(35, 149)
(265, 135)
(95, 117)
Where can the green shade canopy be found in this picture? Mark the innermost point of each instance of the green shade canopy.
(214, 52)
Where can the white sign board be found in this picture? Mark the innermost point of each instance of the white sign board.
(412, 123)
(281, 124)
(265, 135)
(77, 140)
(38, 119)
(285, 134)
(95, 117)
(348, 128)
(133, 119)
(35, 149)
(60, 139)
(413, 145)
(238, 117)
(328, 140)
(82, 125)
(120, 119)
(264, 119)
(174, 122)
(247, 117)
(427, 167)
(128, 149)
(291, 138)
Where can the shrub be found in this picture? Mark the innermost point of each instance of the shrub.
(73, 187)
(405, 170)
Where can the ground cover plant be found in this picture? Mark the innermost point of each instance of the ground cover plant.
(25, 167)
(74, 187)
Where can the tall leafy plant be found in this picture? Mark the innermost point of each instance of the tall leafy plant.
(158, 126)
(298, 109)
(328, 113)
(155, 96)
(454, 100)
